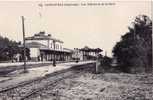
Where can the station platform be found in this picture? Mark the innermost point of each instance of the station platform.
(18, 77)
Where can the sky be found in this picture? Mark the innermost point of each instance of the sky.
(99, 26)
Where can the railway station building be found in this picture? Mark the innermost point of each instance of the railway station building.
(86, 53)
(43, 47)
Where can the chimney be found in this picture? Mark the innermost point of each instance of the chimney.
(42, 32)
(49, 35)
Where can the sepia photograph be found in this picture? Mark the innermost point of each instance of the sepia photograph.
(76, 50)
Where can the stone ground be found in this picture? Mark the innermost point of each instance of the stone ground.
(108, 86)
(86, 85)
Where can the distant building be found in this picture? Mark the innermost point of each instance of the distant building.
(44, 47)
(86, 53)
(77, 54)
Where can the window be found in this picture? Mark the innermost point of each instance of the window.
(57, 46)
(51, 45)
(61, 47)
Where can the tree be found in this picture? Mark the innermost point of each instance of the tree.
(27, 53)
(9, 48)
(134, 50)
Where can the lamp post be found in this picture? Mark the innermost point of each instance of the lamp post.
(24, 49)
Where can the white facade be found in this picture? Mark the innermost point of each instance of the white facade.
(47, 44)
(34, 52)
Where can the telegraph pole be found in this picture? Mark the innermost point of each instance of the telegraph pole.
(24, 48)
(152, 46)
(54, 60)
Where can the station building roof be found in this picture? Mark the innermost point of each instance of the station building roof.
(87, 49)
(43, 36)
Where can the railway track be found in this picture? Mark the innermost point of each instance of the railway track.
(27, 89)
(45, 86)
